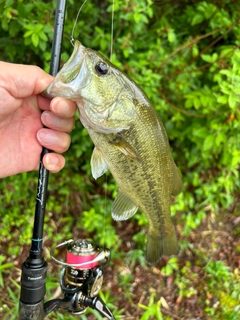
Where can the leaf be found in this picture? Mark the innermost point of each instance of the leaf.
(137, 17)
(42, 35)
(237, 54)
(195, 51)
(103, 44)
(197, 18)
(207, 57)
(226, 50)
(214, 57)
(171, 36)
(5, 24)
(223, 99)
(232, 101)
(196, 103)
(8, 3)
(208, 143)
(42, 45)
(221, 138)
(28, 33)
(6, 266)
(200, 132)
(35, 39)
(224, 87)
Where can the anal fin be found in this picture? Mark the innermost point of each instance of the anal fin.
(123, 208)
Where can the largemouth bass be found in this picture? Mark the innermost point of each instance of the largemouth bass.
(130, 141)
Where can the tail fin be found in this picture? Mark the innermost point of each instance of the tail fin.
(159, 246)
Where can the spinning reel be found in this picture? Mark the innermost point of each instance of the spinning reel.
(81, 278)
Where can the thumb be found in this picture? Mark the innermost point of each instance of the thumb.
(23, 80)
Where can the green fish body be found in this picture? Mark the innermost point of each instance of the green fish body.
(129, 140)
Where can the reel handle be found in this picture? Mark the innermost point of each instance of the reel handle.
(97, 304)
(71, 303)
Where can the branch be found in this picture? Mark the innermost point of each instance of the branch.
(189, 114)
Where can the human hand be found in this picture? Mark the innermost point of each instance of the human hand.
(21, 121)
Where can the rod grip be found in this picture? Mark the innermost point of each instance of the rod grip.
(31, 311)
(33, 283)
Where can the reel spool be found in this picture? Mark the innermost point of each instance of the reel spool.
(81, 248)
(79, 252)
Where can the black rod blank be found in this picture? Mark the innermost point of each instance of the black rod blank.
(34, 269)
(41, 198)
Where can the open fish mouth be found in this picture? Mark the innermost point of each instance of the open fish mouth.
(72, 77)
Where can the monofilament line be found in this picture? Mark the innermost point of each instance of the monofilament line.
(75, 23)
(111, 48)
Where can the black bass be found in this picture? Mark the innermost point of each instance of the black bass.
(130, 141)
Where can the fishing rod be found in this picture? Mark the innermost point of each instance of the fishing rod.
(82, 273)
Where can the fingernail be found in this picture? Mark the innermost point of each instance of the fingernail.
(51, 159)
(46, 137)
(48, 119)
(45, 116)
(60, 106)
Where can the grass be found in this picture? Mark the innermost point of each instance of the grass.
(201, 283)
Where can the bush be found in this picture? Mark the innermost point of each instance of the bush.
(185, 55)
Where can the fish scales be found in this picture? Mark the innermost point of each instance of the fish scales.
(130, 141)
(146, 182)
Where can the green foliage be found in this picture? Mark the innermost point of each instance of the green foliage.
(152, 309)
(16, 214)
(99, 224)
(224, 286)
(185, 281)
(186, 57)
(26, 30)
(170, 267)
(3, 268)
(135, 256)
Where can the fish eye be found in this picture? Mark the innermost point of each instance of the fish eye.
(101, 68)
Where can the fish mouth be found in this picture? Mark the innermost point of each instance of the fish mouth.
(72, 77)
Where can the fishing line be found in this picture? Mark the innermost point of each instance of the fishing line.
(111, 53)
(106, 181)
(105, 212)
(112, 27)
(75, 23)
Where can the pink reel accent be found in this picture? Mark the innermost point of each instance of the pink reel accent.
(74, 259)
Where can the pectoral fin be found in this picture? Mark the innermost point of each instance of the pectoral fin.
(123, 208)
(123, 146)
(98, 164)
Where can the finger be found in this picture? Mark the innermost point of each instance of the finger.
(62, 107)
(53, 162)
(52, 121)
(43, 103)
(54, 140)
